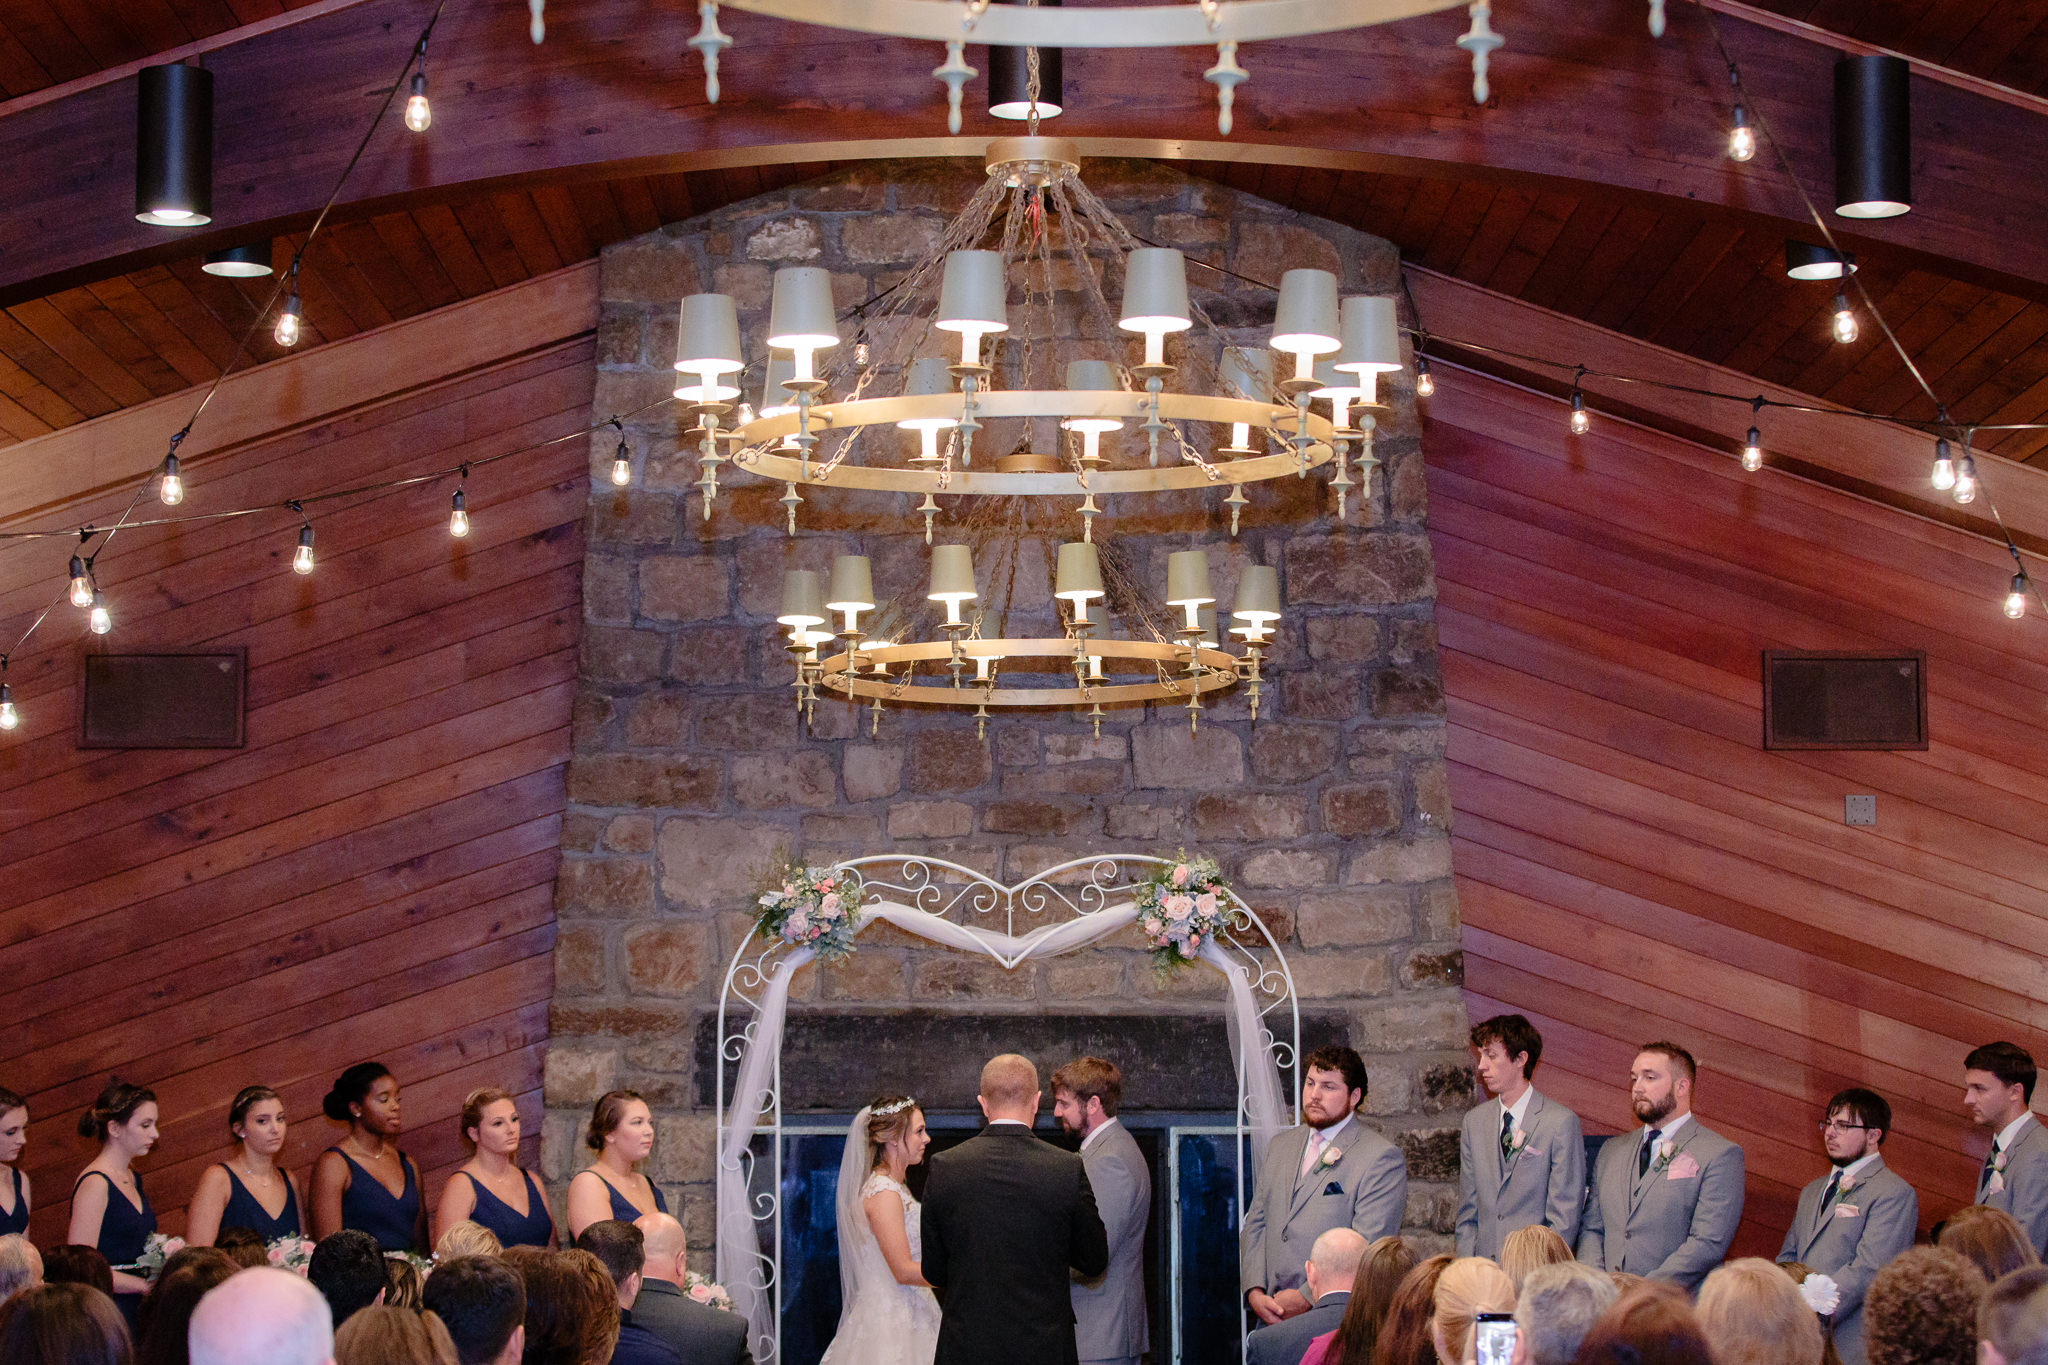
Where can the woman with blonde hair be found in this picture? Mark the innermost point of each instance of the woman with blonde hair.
(385, 1335)
(1990, 1239)
(1469, 1286)
(467, 1239)
(1751, 1313)
(492, 1188)
(1527, 1248)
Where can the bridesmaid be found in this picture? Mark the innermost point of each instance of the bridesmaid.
(491, 1189)
(112, 1213)
(353, 1181)
(13, 1184)
(248, 1191)
(622, 1134)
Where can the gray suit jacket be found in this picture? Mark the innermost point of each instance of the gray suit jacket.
(701, 1335)
(2025, 1195)
(1284, 1343)
(1109, 1311)
(1852, 1239)
(1365, 1187)
(1677, 1221)
(1544, 1183)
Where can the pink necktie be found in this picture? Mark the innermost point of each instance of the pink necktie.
(1312, 1151)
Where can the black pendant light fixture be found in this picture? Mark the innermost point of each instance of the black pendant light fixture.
(1009, 79)
(1873, 137)
(249, 261)
(1805, 261)
(174, 146)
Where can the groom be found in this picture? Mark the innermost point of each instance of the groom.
(1006, 1217)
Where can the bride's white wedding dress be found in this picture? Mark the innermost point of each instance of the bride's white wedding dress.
(881, 1322)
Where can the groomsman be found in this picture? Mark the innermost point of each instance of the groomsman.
(1331, 1172)
(1665, 1198)
(1852, 1221)
(1110, 1327)
(1521, 1159)
(1998, 1081)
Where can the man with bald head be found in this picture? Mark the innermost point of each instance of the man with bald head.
(1008, 1220)
(699, 1332)
(1332, 1265)
(262, 1317)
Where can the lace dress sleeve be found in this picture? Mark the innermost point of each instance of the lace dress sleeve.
(880, 1181)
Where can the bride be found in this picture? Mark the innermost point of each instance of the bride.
(888, 1315)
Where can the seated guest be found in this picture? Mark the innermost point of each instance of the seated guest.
(1990, 1239)
(620, 1248)
(348, 1270)
(1332, 1266)
(1752, 1314)
(621, 1132)
(20, 1265)
(108, 1208)
(73, 1264)
(2012, 1324)
(387, 1335)
(14, 1186)
(365, 1182)
(262, 1317)
(1380, 1273)
(243, 1247)
(1922, 1310)
(491, 1188)
(697, 1331)
(482, 1303)
(572, 1306)
(467, 1239)
(401, 1283)
(1405, 1338)
(1651, 1324)
(63, 1324)
(1524, 1249)
(1555, 1308)
(1469, 1286)
(166, 1313)
(248, 1191)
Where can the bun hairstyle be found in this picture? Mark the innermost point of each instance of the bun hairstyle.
(473, 1109)
(116, 1104)
(607, 1114)
(352, 1087)
(9, 1101)
(889, 1118)
(246, 1099)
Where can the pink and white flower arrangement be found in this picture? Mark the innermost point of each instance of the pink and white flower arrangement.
(812, 907)
(707, 1292)
(1185, 905)
(155, 1251)
(290, 1253)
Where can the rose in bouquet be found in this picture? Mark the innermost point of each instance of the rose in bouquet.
(707, 1292)
(155, 1252)
(290, 1253)
(811, 907)
(1183, 906)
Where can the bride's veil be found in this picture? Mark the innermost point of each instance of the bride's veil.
(855, 1166)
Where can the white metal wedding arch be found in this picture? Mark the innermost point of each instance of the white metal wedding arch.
(1062, 909)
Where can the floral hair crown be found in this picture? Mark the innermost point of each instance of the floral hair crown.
(893, 1107)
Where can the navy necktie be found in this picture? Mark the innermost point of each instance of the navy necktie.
(1507, 1135)
(1649, 1146)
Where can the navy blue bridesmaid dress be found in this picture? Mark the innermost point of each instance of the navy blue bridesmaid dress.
(245, 1211)
(16, 1221)
(622, 1207)
(533, 1229)
(124, 1231)
(367, 1206)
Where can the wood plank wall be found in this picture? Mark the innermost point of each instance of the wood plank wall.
(372, 875)
(1632, 865)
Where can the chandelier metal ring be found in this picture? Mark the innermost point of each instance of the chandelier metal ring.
(1180, 25)
(1214, 671)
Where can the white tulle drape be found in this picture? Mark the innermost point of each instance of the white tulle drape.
(739, 1247)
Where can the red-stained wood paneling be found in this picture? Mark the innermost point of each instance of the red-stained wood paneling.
(1633, 865)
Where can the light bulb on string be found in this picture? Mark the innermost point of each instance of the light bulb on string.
(2016, 600)
(287, 331)
(622, 463)
(9, 718)
(1741, 137)
(302, 557)
(81, 583)
(1753, 452)
(102, 621)
(860, 353)
(458, 515)
(1582, 421)
(419, 115)
(1965, 490)
(1424, 385)
(1944, 466)
(1845, 320)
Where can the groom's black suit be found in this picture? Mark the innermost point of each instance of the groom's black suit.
(1005, 1218)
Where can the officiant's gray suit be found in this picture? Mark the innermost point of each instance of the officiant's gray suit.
(1671, 1223)
(2025, 1195)
(1850, 1238)
(1543, 1182)
(1364, 1187)
(1109, 1311)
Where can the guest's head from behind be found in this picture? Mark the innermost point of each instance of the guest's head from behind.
(2012, 1322)
(897, 1137)
(263, 1315)
(244, 1246)
(1086, 1094)
(1009, 1089)
(1380, 1272)
(1854, 1125)
(621, 1128)
(73, 1263)
(482, 1303)
(166, 1312)
(467, 1238)
(122, 1119)
(63, 1324)
(21, 1265)
(1332, 1263)
(490, 1122)
(621, 1250)
(1505, 1050)
(390, 1335)
(1990, 1239)
(402, 1283)
(572, 1306)
(347, 1268)
(13, 1126)
(666, 1248)
(1525, 1249)
(1469, 1286)
(1333, 1085)
(1998, 1083)
(366, 1096)
(1407, 1336)
(1752, 1314)
(1554, 1309)
(1651, 1324)
(1660, 1082)
(1922, 1309)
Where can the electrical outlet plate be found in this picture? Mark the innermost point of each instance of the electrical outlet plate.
(1860, 810)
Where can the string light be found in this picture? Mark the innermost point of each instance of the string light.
(1965, 490)
(418, 115)
(1741, 137)
(1845, 319)
(287, 333)
(81, 583)
(171, 491)
(860, 353)
(1424, 385)
(1582, 421)
(102, 621)
(1944, 466)
(2016, 600)
(302, 557)
(458, 515)
(622, 463)
(1753, 453)
(8, 716)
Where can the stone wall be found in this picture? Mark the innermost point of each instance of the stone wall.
(690, 771)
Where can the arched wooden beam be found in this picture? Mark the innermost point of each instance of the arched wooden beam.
(614, 90)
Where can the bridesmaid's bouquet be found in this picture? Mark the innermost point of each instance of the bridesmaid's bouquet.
(706, 1292)
(1181, 907)
(290, 1253)
(811, 907)
(155, 1252)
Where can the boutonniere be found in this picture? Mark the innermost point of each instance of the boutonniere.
(1995, 1183)
(1998, 1162)
(1848, 1184)
(1331, 1156)
(1516, 1142)
(1664, 1151)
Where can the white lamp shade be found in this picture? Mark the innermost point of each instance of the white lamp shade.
(853, 584)
(1187, 578)
(973, 296)
(1155, 291)
(800, 312)
(776, 400)
(1371, 336)
(1078, 577)
(952, 574)
(1090, 375)
(1247, 372)
(1258, 594)
(1306, 320)
(928, 375)
(708, 337)
(803, 601)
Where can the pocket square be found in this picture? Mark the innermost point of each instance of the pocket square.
(1683, 1167)
(1847, 1211)
(1333, 1188)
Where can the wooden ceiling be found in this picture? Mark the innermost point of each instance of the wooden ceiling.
(1998, 40)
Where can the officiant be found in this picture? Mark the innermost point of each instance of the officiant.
(1109, 1311)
